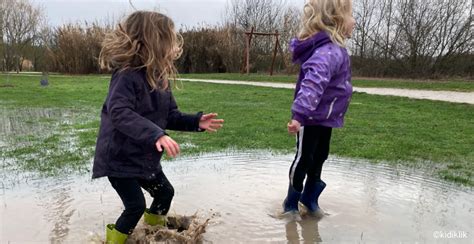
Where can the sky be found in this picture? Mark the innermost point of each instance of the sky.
(183, 12)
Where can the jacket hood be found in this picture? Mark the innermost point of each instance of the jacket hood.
(302, 50)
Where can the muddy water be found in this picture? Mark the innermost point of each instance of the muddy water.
(365, 203)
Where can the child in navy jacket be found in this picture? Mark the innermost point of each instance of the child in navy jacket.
(137, 111)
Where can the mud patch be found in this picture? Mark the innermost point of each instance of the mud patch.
(180, 229)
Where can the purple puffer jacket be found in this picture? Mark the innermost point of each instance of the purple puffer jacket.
(324, 87)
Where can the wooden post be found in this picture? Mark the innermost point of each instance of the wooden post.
(285, 64)
(249, 41)
(244, 55)
(277, 43)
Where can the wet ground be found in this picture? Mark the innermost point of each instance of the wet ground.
(240, 191)
(47, 140)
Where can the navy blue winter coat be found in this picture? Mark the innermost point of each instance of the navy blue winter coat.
(133, 118)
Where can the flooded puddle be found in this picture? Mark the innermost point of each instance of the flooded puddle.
(239, 192)
(38, 122)
(44, 139)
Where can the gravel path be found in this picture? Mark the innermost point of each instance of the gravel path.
(447, 96)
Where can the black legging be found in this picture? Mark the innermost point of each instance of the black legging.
(129, 190)
(312, 150)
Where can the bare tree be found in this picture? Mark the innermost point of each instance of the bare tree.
(264, 15)
(412, 37)
(454, 35)
(292, 19)
(291, 24)
(2, 16)
(268, 16)
(364, 20)
(21, 21)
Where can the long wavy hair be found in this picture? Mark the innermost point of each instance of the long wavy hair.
(326, 15)
(146, 39)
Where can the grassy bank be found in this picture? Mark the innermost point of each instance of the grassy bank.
(446, 85)
(52, 129)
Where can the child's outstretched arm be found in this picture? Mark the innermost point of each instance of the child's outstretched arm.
(209, 122)
(122, 112)
(188, 122)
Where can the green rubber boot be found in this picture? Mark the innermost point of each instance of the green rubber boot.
(113, 236)
(154, 219)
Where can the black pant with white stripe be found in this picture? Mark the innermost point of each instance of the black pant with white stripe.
(312, 150)
(130, 191)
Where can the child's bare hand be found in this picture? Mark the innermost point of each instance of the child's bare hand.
(170, 146)
(293, 127)
(209, 123)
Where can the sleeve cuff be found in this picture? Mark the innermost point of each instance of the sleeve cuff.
(157, 136)
(198, 119)
(298, 118)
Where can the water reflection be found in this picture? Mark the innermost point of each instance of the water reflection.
(303, 231)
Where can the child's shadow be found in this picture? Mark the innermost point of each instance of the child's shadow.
(309, 231)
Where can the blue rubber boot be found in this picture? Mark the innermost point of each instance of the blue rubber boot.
(310, 195)
(291, 201)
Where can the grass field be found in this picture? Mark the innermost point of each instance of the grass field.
(53, 129)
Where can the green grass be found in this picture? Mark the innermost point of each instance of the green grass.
(447, 85)
(437, 85)
(416, 133)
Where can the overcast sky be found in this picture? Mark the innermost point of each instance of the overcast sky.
(183, 12)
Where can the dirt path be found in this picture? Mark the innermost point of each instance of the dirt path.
(447, 96)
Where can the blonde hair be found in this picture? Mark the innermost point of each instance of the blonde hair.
(326, 15)
(144, 40)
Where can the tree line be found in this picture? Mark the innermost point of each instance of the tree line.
(393, 38)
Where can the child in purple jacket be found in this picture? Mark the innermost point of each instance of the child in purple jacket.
(322, 96)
